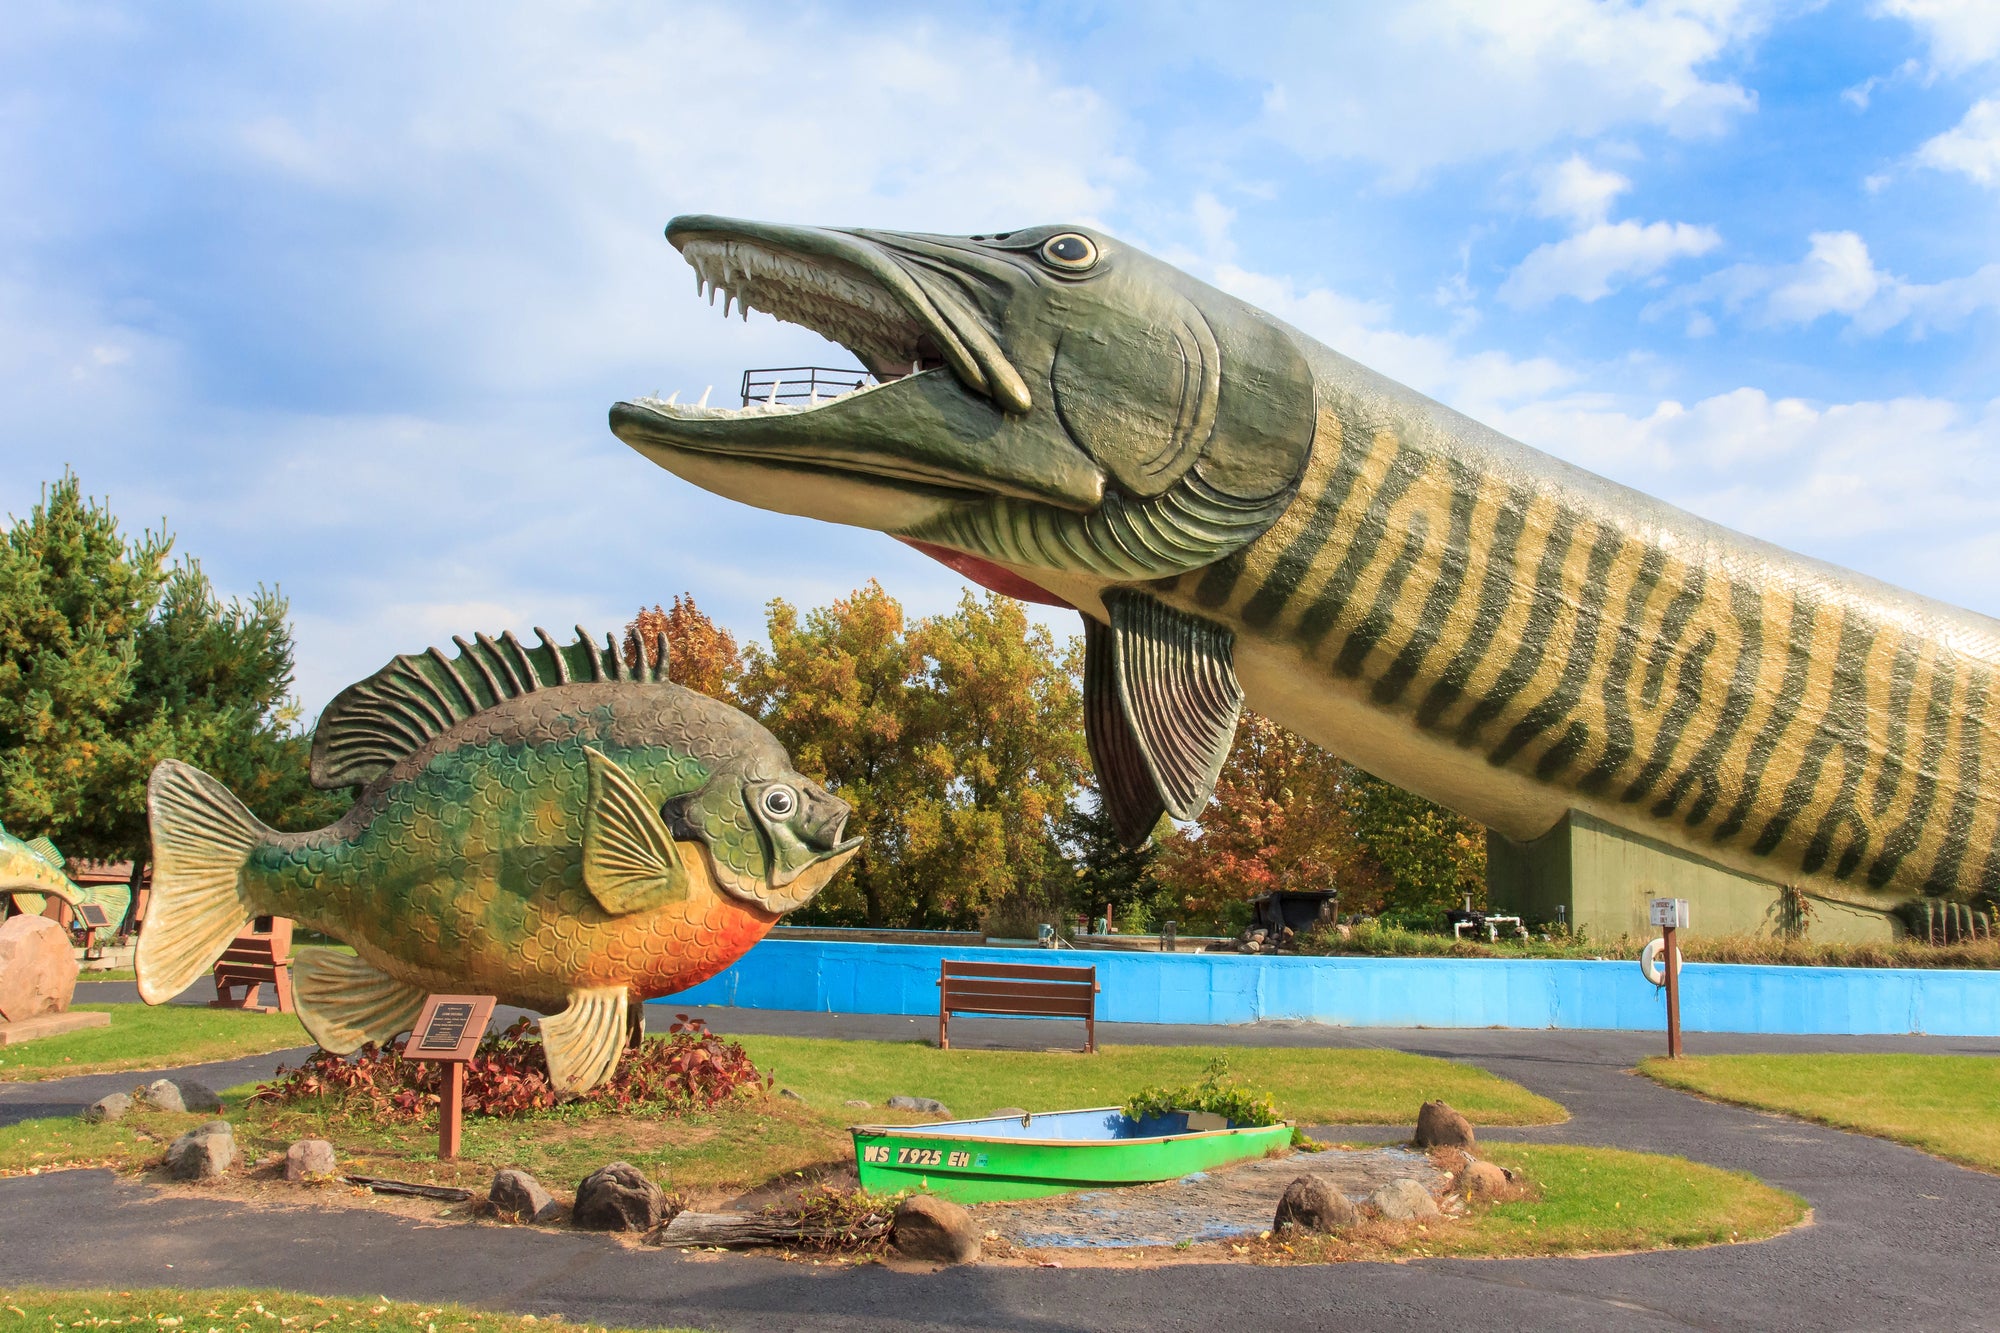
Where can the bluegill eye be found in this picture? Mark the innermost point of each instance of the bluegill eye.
(1070, 251)
(779, 802)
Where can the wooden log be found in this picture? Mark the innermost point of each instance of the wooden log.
(380, 1186)
(761, 1229)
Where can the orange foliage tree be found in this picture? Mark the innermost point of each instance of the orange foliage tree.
(701, 654)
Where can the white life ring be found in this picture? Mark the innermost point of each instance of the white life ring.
(1652, 961)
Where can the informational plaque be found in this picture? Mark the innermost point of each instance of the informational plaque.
(450, 1027)
(1670, 912)
(448, 1030)
(94, 916)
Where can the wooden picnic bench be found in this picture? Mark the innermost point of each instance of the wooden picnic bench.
(1017, 990)
(259, 954)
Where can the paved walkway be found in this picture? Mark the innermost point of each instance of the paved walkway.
(1900, 1239)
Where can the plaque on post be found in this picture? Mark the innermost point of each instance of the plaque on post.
(449, 1031)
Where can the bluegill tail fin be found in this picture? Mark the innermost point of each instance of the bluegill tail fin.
(202, 836)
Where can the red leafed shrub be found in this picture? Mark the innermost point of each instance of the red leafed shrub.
(688, 1069)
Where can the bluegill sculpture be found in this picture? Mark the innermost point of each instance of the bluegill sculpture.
(31, 871)
(1242, 513)
(546, 824)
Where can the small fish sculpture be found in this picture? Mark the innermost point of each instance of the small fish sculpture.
(32, 871)
(546, 825)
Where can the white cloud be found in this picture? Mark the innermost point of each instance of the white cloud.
(1839, 277)
(1960, 33)
(1590, 264)
(1579, 192)
(1971, 147)
(1427, 83)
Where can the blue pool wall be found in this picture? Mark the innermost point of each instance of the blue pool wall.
(1226, 989)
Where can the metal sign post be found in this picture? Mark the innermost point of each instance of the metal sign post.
(1670, 914)
(449, 1031)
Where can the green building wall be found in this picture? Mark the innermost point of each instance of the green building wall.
(1602, 876)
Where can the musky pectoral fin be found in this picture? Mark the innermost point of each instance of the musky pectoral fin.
(1161, 707)
(344, 1002)
(630, 863)
(582, 1043)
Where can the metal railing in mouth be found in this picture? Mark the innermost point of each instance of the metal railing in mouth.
(801, 384)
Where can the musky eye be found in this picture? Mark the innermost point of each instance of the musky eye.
(1069, 251)
(780, 802)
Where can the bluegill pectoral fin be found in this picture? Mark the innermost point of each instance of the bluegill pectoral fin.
(582, 1042)
(630, 863)
(344, 1002)
(1176, 708)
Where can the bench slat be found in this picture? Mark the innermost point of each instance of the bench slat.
(1020, 990)
(1021, 971)
(1022, 1008)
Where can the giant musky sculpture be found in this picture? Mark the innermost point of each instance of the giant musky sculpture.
(1241, 513)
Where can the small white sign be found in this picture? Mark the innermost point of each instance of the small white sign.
(1670, 912)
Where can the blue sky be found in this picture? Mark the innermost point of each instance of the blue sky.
(343, 291)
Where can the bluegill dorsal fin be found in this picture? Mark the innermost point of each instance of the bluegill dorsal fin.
(630, 863)
(1162, 702)
(45, 849)
(374, 723)
(345, 1002)
(582, 1042)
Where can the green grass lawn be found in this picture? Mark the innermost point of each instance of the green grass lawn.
(1943, 1104)
(716, 1154)
(143, 1036)
(1312, 1085)
(246, 1308)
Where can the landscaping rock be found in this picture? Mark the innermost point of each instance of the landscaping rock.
(1404, 1201)
(1484, 1180)
(197, 1097)
(858, 1104)
(517, 1194)
(309, 1158)
(162, 1094)
(1438, 1126)
(934, 1230)
(114, 1107)
(789, 1095)
(37, 968)
(1014, 1111)
(618, 1197)
(203, 1153)
(928, 1105)
(1312, 1204)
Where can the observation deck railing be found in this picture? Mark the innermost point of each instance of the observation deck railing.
(801, 384)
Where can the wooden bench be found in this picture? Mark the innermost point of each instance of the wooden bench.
(1017, 990)
(260, 954)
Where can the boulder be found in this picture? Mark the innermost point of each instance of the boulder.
(1312, 1204)
(37, 968)
(114, 1107)
(162, 1094)
(934, 1230)
(1438, 1126)
(927, 1105)
(618, 1197)
(1404, 1201)
(197, 1097)
(517, 1194)
(310, 1159)
(203, 1153)
(1484, 1180)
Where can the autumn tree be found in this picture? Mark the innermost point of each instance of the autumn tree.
(957, 739)
(1429, 857)
(700, 654)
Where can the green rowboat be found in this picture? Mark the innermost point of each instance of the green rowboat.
(1022, 1157)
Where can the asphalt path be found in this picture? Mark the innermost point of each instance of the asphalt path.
(1898, 1239)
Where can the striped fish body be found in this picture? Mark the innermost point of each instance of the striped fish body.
(462, 868)
(1515, 637)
